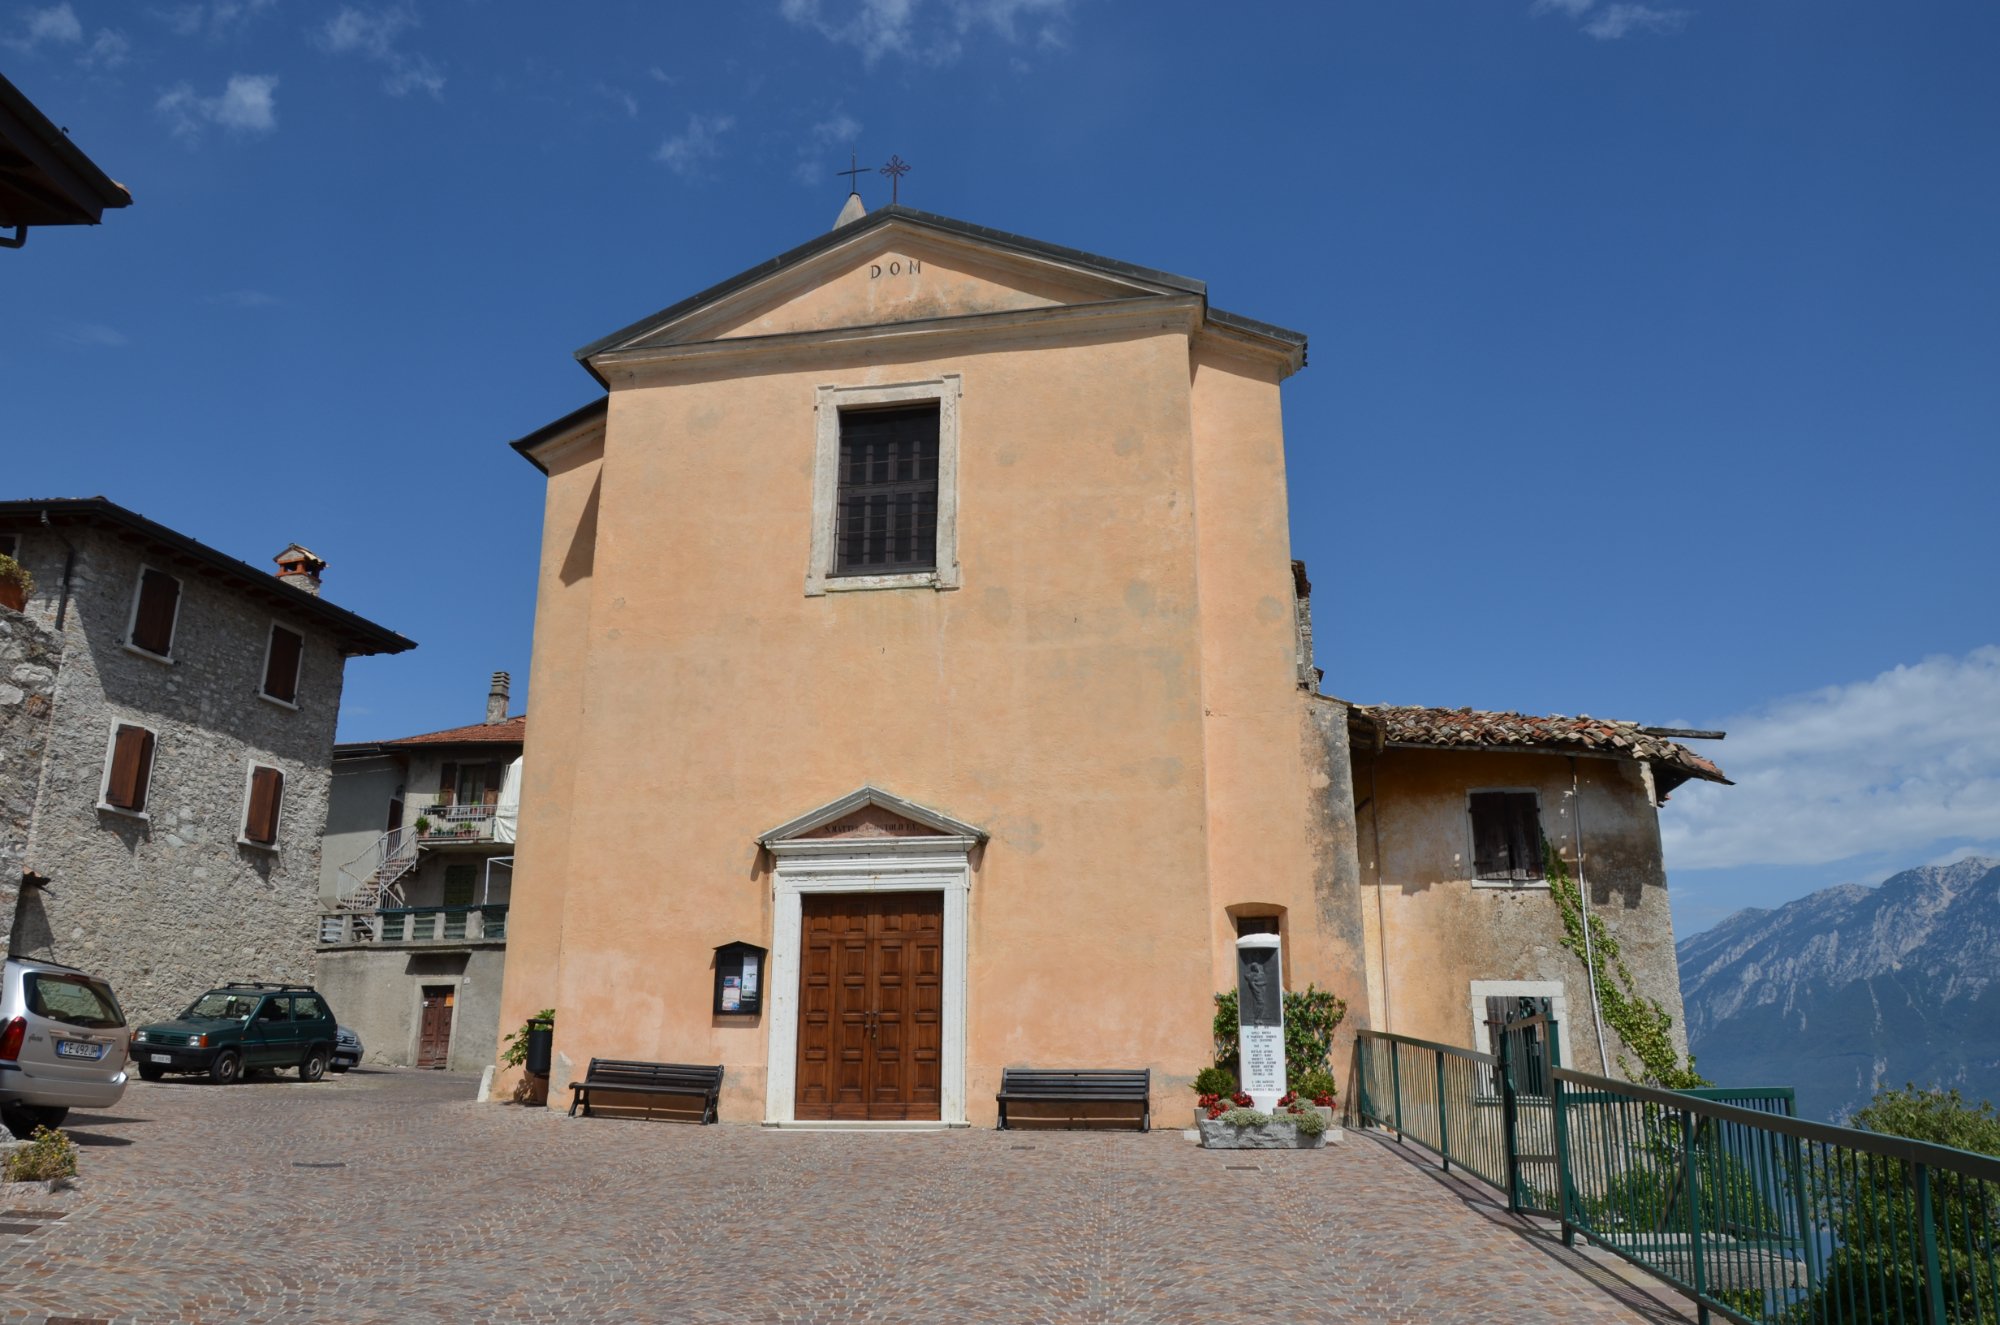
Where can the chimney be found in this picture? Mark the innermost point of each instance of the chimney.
(496, 698)
(298, 567)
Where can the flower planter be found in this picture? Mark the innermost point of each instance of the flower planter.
(1274, 1135)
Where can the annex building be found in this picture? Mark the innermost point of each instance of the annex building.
(922, 685)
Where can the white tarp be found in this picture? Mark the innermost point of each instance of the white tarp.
(508, 812)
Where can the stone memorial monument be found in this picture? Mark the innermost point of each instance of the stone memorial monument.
(1260, 1020)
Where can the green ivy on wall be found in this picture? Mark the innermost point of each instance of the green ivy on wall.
(1641, 1023)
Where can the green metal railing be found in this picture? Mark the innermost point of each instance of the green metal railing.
(1755, 1214)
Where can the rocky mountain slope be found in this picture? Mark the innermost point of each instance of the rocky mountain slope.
(1850, 989)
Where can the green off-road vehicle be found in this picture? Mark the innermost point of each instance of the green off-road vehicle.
(229, 1031)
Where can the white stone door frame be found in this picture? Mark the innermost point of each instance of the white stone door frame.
(1552, 990)
(881, 865)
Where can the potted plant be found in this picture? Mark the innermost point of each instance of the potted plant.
(423, 825)
(1231, 1124)
(1318, 1087)
(1210, 1084)
(15, 584)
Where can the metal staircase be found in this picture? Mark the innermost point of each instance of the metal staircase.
(377, 873)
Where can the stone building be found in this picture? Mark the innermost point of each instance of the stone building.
(187, 703)
(924, 686)
(414, 883)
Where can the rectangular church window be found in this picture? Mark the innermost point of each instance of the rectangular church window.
(1506, 836)
(886, 512)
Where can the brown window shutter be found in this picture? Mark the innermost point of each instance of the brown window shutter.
(1524, 835)
(153, 627)
(131, 768)
(447, 784)
(281, 673)
(494, 772)
(1489, 835)
(267, 794)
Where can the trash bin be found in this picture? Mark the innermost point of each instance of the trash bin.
(541, 1039)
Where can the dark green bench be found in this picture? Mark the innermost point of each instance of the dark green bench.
(612, 1076)
(1063, 1085)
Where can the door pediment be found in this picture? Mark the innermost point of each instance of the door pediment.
(872, 820)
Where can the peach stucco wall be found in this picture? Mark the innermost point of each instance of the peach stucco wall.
(1111, 694)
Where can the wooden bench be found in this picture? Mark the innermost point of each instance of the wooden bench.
(617, 1076)
(1041, 1085)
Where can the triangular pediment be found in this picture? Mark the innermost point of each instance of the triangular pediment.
(871, 815)
(894, 266)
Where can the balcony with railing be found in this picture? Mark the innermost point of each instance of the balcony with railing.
(440, 823)
(415, 925)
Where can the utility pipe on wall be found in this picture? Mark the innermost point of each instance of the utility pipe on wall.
(1583, 901)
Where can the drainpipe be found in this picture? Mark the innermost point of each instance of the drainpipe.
(1381, 921)
(1583, 900)
(69, 567)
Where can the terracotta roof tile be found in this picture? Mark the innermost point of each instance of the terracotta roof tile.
(511, 732)
(1475, 728)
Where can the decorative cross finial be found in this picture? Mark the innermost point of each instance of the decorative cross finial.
(853, 184)
(895, 170)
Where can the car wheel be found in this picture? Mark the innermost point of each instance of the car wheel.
(314, 1066)
(227, 1069)
(151, 1071)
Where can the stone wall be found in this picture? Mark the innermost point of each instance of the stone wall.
(1434, 932)
(167, 904)
(30, 656)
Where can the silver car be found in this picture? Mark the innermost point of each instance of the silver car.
(62, 1044)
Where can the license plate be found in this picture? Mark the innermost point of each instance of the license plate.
(78, 1049)
(161, 1058)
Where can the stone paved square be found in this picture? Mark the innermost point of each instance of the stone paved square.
(201, 1203)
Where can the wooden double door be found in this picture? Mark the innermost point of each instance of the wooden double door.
(871, 1002)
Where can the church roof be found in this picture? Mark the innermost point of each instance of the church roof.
(1476, 729)
(979, 234)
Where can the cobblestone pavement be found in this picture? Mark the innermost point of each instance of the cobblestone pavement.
(202, 1203)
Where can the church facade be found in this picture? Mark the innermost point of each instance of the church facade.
(922, 686)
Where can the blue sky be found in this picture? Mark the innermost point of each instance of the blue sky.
(1653, 359)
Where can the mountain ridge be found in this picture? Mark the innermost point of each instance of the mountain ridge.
(1852, 988)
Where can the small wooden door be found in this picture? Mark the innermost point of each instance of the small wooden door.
(871, 1002)
(434, 1034)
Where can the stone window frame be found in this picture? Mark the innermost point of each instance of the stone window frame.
(1472, 845)
(132, 617)
(250, 766)
(264, 669)
(945, 390)
(1556, 991)
(104, 804)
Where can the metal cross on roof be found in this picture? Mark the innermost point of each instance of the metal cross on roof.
(895, 170)
(853, 182)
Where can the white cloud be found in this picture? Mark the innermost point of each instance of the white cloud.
(108, 50)
(814, 164)
(1902, 763)
(246, 105)
(372, 34)
(618, 97)
(96, 336)
(684, 153)
(219, 17)
(928, 31)
(1614, 20)
(57, 23)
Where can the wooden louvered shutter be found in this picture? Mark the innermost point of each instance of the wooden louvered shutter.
(153, 625)
(1489, 835)
(447, 784)
(281, 672)
(490, 795)
(1524, 835)
(131, 768)
(267, 794)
